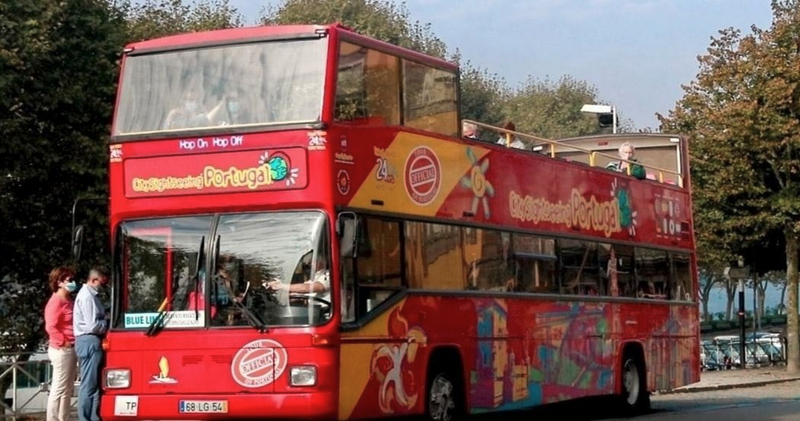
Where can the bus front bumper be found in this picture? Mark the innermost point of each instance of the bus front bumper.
(312, 405)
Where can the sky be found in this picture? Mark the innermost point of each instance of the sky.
(637, 53)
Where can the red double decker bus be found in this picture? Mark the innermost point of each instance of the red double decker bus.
(299, 232)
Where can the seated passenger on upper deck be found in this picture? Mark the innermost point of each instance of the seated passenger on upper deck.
(189, 114)
(232, 110)
(469, 131)
(626, 151)
(515, 142)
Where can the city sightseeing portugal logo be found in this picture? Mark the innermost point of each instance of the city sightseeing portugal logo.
(423, 175)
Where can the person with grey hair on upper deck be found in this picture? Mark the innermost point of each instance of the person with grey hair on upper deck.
(626, 152)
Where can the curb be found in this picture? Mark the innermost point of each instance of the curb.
(695, 389)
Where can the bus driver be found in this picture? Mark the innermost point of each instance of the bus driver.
(320, 285)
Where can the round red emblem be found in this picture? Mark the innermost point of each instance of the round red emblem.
(258, 363)
(343, 182)
(423, 175)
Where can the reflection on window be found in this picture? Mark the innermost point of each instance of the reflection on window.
(681, 277)
(580, 267)
(536, 257)
(249, 84)
(255, 249)
(161, 256)
(429, 99)
(652, 273)
(490, 263)
(367, 87)
(616, 270)
(434, 256)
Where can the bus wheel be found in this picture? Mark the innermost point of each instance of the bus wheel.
(445, 400)
(635, 397)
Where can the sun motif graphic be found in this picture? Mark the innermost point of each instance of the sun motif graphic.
(627, 216)
(477, 181)
(279, 167)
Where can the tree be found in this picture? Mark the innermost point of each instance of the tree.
(59, 69)
(743, 114)
(708, 279)
(383, 20)
(482, 95)
(153, 19)
(551, 109)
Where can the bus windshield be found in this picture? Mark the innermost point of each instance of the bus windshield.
(256, 259)
(255, 84)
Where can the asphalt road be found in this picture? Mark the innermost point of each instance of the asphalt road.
(777, 402)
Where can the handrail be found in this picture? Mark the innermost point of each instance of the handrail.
(508, 134)
(10, 365)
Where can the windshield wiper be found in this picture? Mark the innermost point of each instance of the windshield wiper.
(252, 318)
(158, 323)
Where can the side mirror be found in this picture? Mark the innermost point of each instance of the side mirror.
(77, 242)
(347, 229)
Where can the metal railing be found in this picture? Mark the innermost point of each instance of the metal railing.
(593, 155)
(759, 352)
(26, 394)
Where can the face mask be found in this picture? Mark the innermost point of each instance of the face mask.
(233, 107)
(71, 286)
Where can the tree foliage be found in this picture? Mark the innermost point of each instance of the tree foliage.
(743, 115)
(59, 69)
(158, 18)
(552, 109)
(383, 20)
(482, 94)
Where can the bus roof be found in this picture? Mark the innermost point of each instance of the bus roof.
(247, 33)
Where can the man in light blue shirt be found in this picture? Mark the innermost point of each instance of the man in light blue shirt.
(90, 324)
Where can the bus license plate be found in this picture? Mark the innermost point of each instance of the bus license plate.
(203, 407)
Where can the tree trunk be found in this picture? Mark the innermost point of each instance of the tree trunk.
(782, 304)
(706, 296)
(793, 348)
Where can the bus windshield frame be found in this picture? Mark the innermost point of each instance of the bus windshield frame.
(162, 266)
(231, 87)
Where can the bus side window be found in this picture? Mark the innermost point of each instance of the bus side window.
(681, 279)
(433, 256)
(536, 258)
(652, 272)
(579, 266)
(379, 270)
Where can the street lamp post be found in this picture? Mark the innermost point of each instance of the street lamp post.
(602, 111)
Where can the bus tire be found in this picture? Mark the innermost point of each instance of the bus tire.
(635, 398)
(445, 392)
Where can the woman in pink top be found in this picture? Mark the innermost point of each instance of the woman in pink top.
(58, 324)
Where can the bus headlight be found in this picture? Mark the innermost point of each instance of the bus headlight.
(118, 378)
(304, 375)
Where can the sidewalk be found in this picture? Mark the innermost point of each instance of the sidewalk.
(736, 378)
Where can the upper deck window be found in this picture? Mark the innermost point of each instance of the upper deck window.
(368, 88)
(276, 82)
(429, 99)
(371, 84)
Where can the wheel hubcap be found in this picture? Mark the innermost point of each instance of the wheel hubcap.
(442, 405)
(631, 382)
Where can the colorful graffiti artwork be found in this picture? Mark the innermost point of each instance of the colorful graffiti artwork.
(517, 353)
(391, 366)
